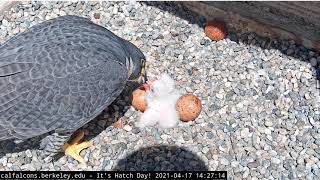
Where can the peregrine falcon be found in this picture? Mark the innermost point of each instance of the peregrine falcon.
(59, 75)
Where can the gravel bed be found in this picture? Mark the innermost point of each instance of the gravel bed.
(260, 116)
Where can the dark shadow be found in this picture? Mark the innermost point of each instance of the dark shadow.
(161, 158)
(177, 9)
(248, 38)
(9, 146)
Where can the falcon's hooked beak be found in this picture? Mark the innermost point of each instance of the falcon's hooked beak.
(142, 76)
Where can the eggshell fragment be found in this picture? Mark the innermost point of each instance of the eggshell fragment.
(138, 99)
(215, 30)
(189, 107)
(118, 124)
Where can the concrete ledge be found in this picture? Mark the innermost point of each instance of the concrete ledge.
(298, 21)
(5, 5)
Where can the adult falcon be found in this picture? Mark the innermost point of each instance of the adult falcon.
(58, 76)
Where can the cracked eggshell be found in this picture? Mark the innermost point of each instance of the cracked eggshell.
(138, 99)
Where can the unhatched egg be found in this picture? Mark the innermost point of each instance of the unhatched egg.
(189, 107)
(138, 99)
(215, 30)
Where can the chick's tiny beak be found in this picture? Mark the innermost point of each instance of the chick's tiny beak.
(147, 85)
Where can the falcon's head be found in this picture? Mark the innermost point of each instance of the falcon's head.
(136, 65)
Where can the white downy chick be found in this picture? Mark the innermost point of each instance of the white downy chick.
(161, 104)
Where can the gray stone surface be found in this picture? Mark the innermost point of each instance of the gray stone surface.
(260, 116)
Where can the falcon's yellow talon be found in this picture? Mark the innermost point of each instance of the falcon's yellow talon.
(73, 148)
(77, 137)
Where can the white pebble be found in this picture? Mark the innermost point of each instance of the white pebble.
(205, 150)
(240, 105)
(307, 96)
(127, 127)
(28, 153)
(5, 23)
(275, 160)
(244, 132)
(307, 75)
(246, 172)
(267, 131)
(224, 161)
(220, 96)
(234, 163)
(268, 123)
(188, 89)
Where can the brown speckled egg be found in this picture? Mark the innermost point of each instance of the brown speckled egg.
(189, 107)
(138, 99)
(215, 30)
